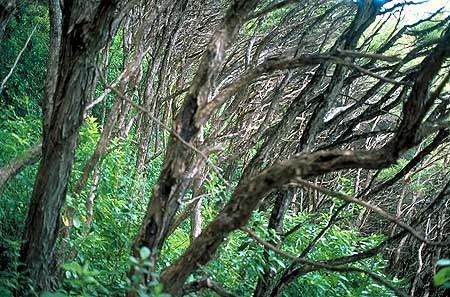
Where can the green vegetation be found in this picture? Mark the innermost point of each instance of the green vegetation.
(162, 161)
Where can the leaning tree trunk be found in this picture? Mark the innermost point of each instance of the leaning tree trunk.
(282, 202)
(250, 191)
(176, 173)
(86, 26)
(348, 40)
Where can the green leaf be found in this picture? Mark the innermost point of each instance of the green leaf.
(442, 276)
(260, 268)
(17, 137)
(144, 253)
(56, 294)
(134, 260)
(73, 266)
(91, 280)
(279, 262)
(69, 199)
(76, 222)
(158, 288)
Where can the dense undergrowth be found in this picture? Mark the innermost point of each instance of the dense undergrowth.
(102, 253)
(97, 257)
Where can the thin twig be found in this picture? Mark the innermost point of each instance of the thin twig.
(206, 283)
(5, 80)
(367, 205)
(153, 118)
(320, 265)
(355, 54)
(367, 71)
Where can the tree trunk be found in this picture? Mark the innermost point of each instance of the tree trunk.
(54, 7)
(86, 26)
(250, 191)
(176, 174)
(282, 202)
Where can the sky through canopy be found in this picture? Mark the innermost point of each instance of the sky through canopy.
(414, 12)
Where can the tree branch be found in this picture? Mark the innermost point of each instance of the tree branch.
(321, 265)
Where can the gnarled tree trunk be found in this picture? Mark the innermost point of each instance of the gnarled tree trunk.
(174, 179)
(251, 190)
(86, 26)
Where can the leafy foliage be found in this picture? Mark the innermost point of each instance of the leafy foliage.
(442, 277)
(98, 254)
(23, 92)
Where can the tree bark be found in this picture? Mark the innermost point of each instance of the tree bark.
(86, 26)
(16, 165)
(174, 180)
(55, 14)
(250, 191)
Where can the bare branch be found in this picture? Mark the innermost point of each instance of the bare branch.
(5, 80)
(373, 208)
(206, 283)
(321, 265)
